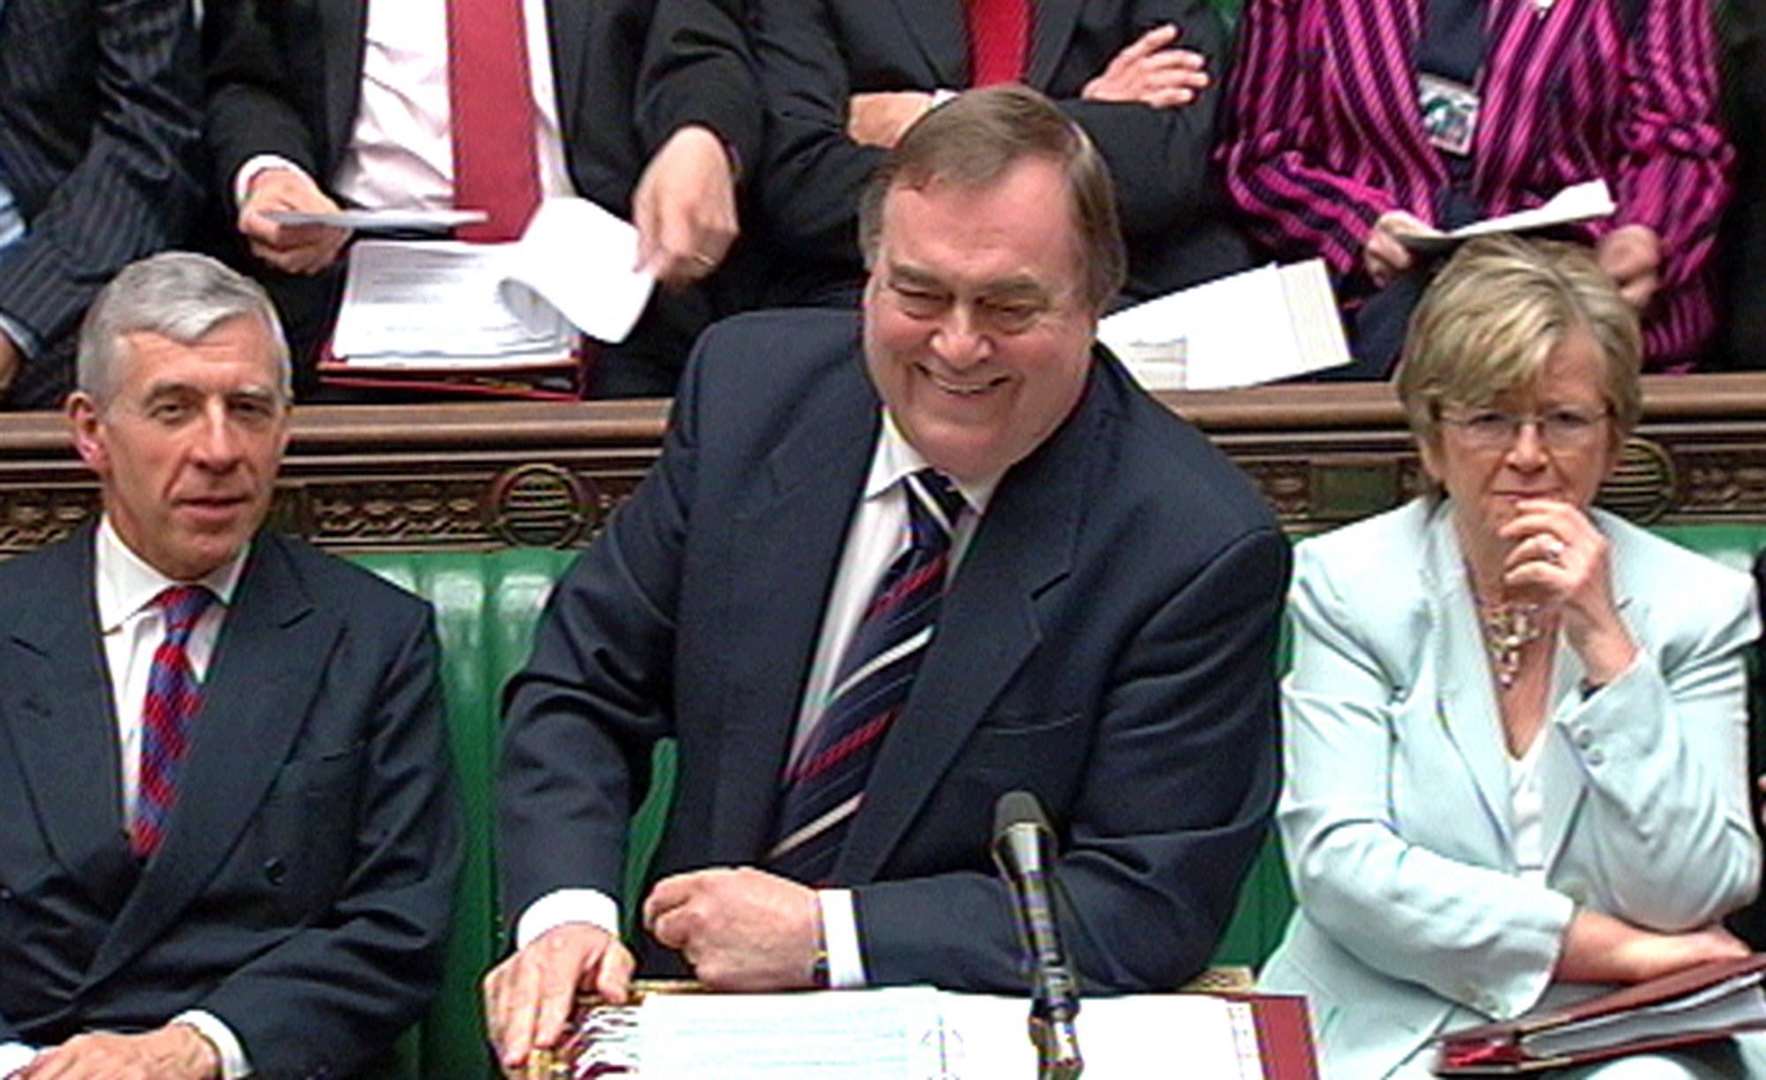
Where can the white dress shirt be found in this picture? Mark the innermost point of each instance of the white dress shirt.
(133, 627)
(1527, 809)
(878, 533)
(401, 154)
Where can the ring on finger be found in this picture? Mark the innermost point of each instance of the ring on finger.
(1554, 550)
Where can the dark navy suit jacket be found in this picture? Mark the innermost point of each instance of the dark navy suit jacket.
(100, 134)
(813, 55)
(1106, 643)
(303, 889)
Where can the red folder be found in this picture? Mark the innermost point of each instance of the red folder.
(1284, 1035)
(1626, 1021)
(560, 380)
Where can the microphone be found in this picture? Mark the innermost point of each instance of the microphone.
(1023, 849)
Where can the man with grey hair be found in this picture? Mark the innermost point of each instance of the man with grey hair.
(228, 836)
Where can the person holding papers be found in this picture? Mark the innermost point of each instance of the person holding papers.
(1350, 124)
(646, 109)
(1515, 729)
(885, 572)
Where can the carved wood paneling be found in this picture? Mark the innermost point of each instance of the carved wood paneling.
(486, 475)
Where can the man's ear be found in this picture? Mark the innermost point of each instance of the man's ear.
(85, 422)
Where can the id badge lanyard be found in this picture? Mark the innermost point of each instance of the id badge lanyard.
(1449, 71)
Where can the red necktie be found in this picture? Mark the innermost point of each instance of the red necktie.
(173, 697)
(491, 115)
(999, 40)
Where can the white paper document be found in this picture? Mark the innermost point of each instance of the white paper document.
(381, 220)
(920, 1033)
(1253, 327)
(446, 305)
(1578, 202)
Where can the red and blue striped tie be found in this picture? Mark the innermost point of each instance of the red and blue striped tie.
(824, 786)
(173, 696)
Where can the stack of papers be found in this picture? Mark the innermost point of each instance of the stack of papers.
(442, 306)
(911, 1033)
(1254, 327)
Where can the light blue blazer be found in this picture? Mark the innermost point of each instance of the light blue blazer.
(1396, 812)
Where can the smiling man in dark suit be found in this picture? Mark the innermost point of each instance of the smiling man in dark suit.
(888, 568)
(228, 835)
(645, 107)
(99, 137)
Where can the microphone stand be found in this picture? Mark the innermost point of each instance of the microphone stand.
(1022, 847)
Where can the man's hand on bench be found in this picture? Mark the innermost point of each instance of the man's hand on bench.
(529, 996)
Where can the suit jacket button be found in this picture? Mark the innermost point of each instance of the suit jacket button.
(275, 871)
(5, 893)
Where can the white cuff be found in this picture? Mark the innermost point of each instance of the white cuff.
(15, 1056)
(565, 906)
(254, 165)
(941, 95)
(234, 1063)
(28, 343)
(846, 964)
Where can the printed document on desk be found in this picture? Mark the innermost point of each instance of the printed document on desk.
(442, 305)
(1257, 326)
(920, 1033)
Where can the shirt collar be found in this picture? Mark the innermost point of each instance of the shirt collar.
(895, 458)
(126, 583)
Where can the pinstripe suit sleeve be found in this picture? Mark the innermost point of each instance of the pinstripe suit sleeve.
(1292, 202)
(1676, 173)
(134, 191)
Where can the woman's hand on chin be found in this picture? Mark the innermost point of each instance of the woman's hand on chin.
(1560, 561)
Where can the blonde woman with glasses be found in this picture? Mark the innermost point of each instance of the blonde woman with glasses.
(1515, 724)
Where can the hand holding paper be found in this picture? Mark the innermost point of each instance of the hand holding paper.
(1387, 255)
(304, 246)
(685, 207)
(1578, 202)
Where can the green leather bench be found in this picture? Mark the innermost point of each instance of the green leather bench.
(486, 606)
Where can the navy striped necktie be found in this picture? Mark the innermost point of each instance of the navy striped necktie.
(824, 786)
